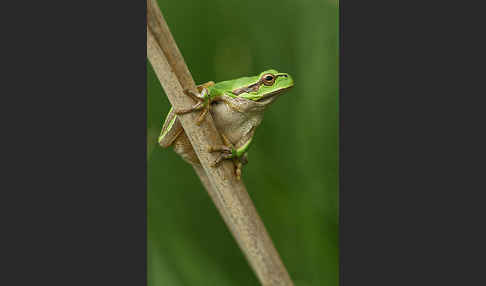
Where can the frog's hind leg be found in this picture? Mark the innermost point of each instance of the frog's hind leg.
(173, 135)
(228, 152)
(171, 129)
(183, 147)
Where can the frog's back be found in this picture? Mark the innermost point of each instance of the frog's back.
(229, 85)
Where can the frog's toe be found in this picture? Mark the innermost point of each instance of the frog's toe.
(195, 107)
(192, 94)
(202, 116)
(221, 158)
(219, 148)
(238, 170)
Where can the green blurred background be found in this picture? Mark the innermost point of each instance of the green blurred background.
(292, 175)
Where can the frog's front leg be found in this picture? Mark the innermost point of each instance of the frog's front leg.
(233, 103)
(228, 151)
(204, 103)
(203, 99)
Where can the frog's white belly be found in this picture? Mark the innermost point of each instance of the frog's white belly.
(233, 124)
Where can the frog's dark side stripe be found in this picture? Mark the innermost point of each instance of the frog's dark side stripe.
(255, 86)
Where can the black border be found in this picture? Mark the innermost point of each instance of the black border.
(76, 179)
(410, 144)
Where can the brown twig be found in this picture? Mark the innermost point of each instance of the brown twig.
(228, 194)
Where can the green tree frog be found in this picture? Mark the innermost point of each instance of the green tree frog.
(237, 108)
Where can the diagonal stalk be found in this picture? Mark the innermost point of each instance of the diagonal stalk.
(227, 193)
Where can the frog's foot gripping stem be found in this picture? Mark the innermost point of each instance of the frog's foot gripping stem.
(203, 101)
(228, 152)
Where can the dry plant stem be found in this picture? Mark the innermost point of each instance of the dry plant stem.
(228, 194)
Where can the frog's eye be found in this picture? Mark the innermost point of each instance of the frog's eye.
(268, 79)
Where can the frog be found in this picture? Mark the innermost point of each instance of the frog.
(236, 106)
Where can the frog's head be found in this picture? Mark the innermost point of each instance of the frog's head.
(265, 87)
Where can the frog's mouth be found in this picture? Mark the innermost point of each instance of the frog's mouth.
(272, 94)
